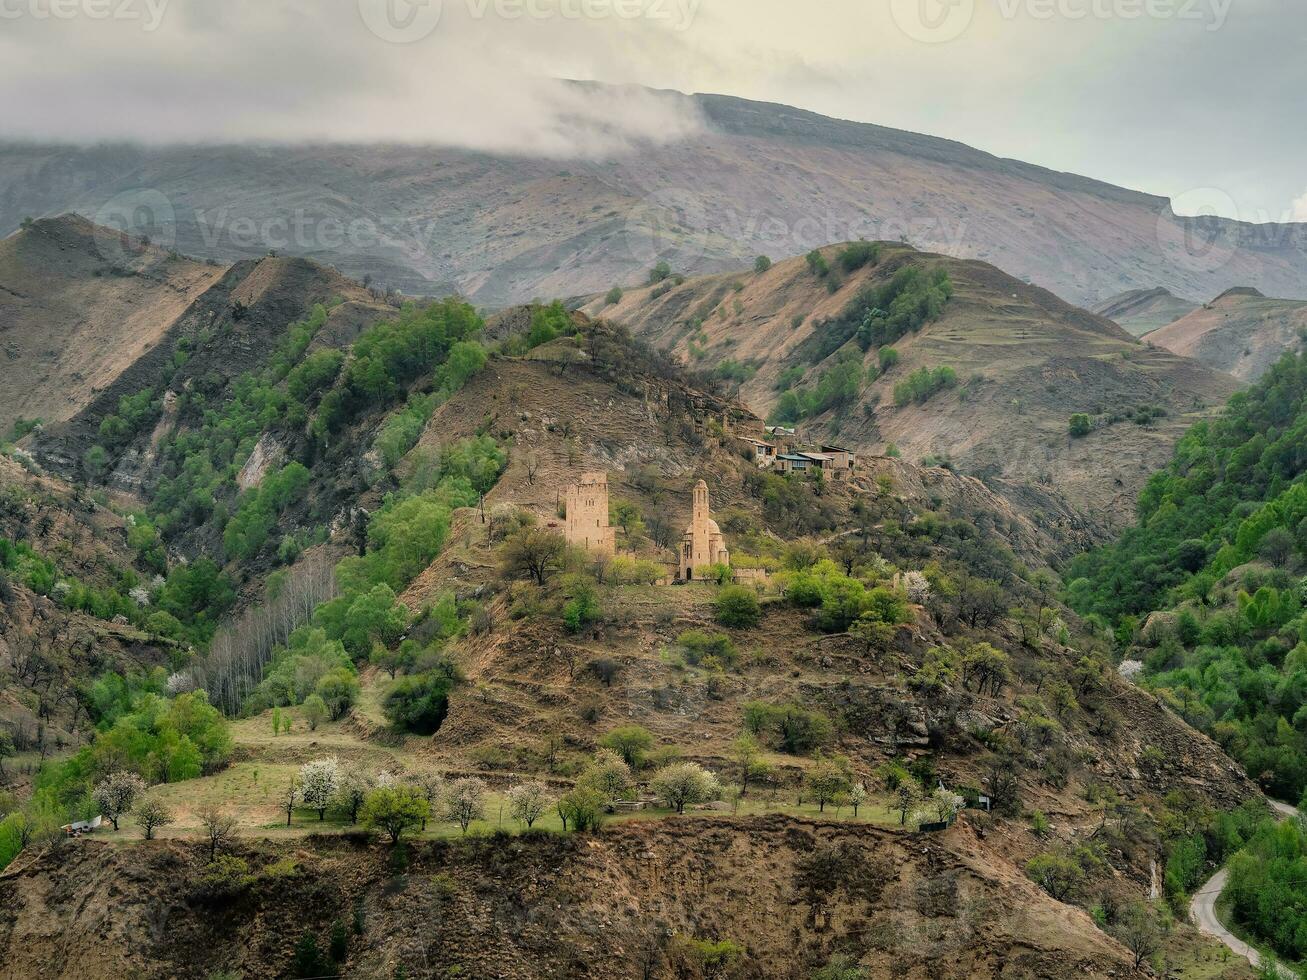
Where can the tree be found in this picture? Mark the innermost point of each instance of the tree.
(116, 794)
(582, 809)
(738, 607)
(761, 264)
(1081, 426)
(151, 814)
(432, 784)
(315, 711)
(318, 782)
(1137, 930)
(684, 784)
(395, 809)
(747, 754)
(631, 742)
(614, 295)
(857, 797)
(662, 270)
(219, 829)
(608, 775)
(1058, 874)
(1277, 546)
(534, 553)
(945, 805)
(827, 779)
(339, 689)
(290, 797)
(6, 750)
(353, 784)
(465, 801)
(906, 796)
(418, 704)
(528, 802)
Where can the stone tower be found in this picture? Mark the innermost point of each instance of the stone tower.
(703, 543)
(587, 516)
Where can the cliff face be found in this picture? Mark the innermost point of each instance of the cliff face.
(1241, 332)
(622, 904)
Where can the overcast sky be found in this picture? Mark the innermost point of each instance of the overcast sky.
(1195, 99)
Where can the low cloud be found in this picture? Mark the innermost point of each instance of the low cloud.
(313, 71)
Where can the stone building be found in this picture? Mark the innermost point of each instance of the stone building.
(703, 543)
(587, 516)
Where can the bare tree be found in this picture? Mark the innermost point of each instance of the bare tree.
(151, 814)
(219, 829)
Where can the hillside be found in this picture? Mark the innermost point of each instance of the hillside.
(1141, 311)
(1024, 363)
(78, 306)
(88, 317)
(755, 178)
(387, 488)
(1241, 332)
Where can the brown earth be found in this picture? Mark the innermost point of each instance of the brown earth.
(754, 178)
(78, 306)
(1241, 332)
(1025, 361)
(1141, 311)
(791, 893)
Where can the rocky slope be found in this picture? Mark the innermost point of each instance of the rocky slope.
(1025, 362)
(791, 893)
(755, 178)
(78, 306)
(1141, 311)
(1241, 332)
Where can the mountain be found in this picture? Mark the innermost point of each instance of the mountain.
(78, 305)
(1241, 332)
(1141, 311)
(1023, 363)
(332, 542)
(88, 316)
(756, 178)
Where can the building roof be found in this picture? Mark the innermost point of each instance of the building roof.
(836, 449)
(795, 457)
(819, 457)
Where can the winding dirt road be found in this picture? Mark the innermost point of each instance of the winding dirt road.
(1203, 909)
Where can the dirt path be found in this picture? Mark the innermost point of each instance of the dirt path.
(1203, 909)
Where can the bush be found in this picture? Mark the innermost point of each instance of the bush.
(738, 607)
(418, 704)
(614, 296)
(761, 264)
(857, 255)
(1081, 426)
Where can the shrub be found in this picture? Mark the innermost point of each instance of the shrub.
(738, 607)
(418, 704)
(1081, 426)
(761, 264)
(684, 784)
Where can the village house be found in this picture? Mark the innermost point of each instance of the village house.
(832, 463)
(764, 453)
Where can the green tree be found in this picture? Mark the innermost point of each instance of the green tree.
(394, 810)
(738, 607)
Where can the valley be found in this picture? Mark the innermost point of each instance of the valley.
(308, 549)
